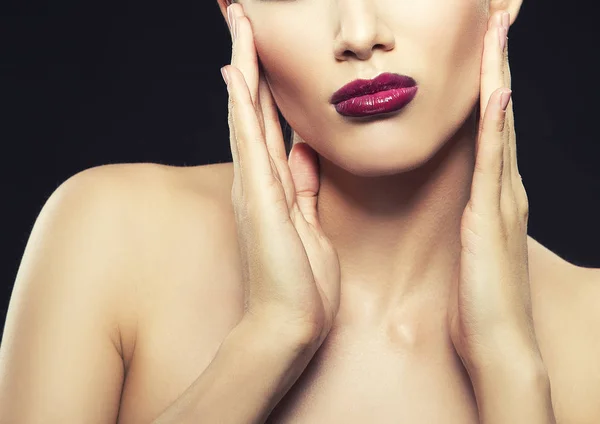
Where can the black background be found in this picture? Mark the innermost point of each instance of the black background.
(85, 85)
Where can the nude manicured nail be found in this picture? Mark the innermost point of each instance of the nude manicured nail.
(225, 75)
(505, 98)
(231, 20)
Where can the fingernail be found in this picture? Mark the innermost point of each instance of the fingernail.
(225, 75)
(505, 98)
(231, 20)
(502, 37)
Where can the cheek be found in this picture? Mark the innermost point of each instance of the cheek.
(295, 66)
(447, 41)
(463, 58)
(297, 58)
(460, 46)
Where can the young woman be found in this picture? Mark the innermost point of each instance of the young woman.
(381, 273)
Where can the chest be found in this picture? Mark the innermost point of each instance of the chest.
(355, 377)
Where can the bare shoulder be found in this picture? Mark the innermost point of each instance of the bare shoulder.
(160, 197)
(128, 266)
(173, 224)
(174, 212)
(555, 279)
(566, 300)
(65, 346)
(584, 351)
(152, 179)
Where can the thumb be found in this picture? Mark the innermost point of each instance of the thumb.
(304, 166)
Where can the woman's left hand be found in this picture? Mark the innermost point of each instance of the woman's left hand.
(489, 315)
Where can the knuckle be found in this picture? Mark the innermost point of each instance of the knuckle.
(510, 210)
(522, 199)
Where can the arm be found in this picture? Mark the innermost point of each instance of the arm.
(522, 388)
(60, 359)
(250, 373)
(514, 391)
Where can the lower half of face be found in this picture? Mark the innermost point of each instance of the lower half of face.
(436, 42)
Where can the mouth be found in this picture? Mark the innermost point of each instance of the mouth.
(362, 87)
(386, 93)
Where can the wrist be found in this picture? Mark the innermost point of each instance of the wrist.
(522, 369)
(514, 391)
(506, 352)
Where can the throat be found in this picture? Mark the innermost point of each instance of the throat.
(416, 323)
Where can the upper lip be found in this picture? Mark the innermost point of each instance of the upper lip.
(361, 87)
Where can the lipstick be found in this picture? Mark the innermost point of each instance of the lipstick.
(388, 92)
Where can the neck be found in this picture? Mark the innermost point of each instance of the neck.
(398, 236)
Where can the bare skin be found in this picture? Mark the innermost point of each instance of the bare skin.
(135, 337)
(132, 278)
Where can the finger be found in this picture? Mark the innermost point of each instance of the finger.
(268, 108)
(519, 192)
(514, 197)
(304, 166)
(487, 176)
(510, 120)
(245, 134)
(491, 64)
(229, 20)
(274, 136)
(492, 78)
(232, 136)
(507, 193)
(244, 55)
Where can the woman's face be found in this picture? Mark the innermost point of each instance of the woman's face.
(310, 48)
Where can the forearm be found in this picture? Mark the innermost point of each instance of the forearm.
(516, 392)
(248, 376)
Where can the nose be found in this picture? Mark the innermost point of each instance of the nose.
(361, 30)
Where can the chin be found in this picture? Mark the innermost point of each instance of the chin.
(383, 147)
(380, 159)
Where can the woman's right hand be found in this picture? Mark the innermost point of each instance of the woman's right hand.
(290, 268)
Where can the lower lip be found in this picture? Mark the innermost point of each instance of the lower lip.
(376, 103)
